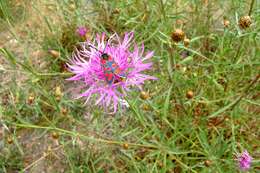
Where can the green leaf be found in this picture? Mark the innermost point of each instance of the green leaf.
(9, 56)
(167, 101)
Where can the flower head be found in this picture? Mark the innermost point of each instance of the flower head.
(82, 31)
(244, 160)
(245, 22)
(108, 79)
(178, 35)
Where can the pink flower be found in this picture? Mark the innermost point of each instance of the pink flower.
(87, 67)
(244, 160)
(82, 31)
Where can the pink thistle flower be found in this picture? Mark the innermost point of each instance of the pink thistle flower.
(87, 67)
(82, 31)
(244, 160)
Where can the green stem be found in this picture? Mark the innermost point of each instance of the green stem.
(163, 10)
(238, 49)
(251, 7)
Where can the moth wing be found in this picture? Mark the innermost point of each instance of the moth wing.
(109, 76)
(119, 73)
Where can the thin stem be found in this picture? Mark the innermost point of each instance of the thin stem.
(239, 49)
(163, 10)
(246, 90)
(170, 64)
(251, 7)
(71, 133)
(54, 74)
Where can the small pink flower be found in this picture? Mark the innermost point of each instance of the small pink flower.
(131, 59)
(82, 31)
(244, 160)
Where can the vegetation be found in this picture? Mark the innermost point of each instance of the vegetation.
(201, 112)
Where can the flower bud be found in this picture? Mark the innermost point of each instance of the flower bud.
(9, 140)
(125, 145)
(178, 35)
(226, 23)
(144, 95)
(146, 107)
(64, 111)
(55, 135)
(31, 99)
(207, 163)
(189, 94)
(245, 22)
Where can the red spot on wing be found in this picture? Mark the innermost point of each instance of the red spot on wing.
(107, 69)
(109, 76)
(103, 61)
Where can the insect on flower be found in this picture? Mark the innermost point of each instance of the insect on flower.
(106, 70)
(112, 71)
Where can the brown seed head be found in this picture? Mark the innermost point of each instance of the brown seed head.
(55, 135)
(64, 111)
(9, 140)
(189, 94)
(177, 66)
(146, 107)
(226, 23)
(178, 35)
(144, 95)
(245, 22)
(207, 163)
(125, 145)
(31, 99)
(186, 42)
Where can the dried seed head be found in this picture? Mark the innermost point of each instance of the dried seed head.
(207, 163)
(31, 99)
(54, 53)
(245, 22)
(226, 23)
(144, 95)
(178, 35)
(189, 94)
(146, 107)
(186, 42)
(177, 66)
(125, 145)
(64, 111)
(9, 140)
(55, 135)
